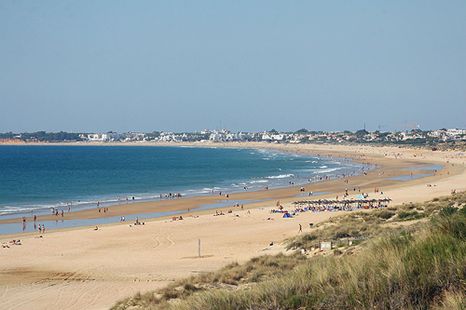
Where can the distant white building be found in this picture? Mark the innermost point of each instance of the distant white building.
(168, 137)
(272, 137)
(216, 136)
(102, 137)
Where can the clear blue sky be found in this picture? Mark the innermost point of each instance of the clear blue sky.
(252, 65)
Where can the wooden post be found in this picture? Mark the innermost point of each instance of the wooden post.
(199, 247)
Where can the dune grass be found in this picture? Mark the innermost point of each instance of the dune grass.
(231, 276)
(362, 226)
(421, 266)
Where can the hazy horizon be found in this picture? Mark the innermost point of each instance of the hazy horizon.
(89, 66)
(215, 129)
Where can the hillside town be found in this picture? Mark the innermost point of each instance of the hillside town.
(415, 136)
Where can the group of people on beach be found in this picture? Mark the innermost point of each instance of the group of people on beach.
(57, 212)
(6, 245)
(223, 194)
(334, 207)
(39, 227)
(171, 196)
(138, 222)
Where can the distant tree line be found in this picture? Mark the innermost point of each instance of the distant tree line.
(43, 136)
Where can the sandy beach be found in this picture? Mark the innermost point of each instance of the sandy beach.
(87, 269)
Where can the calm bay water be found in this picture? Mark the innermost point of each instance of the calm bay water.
(40, 177)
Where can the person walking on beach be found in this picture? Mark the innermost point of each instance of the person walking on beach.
(300, 228)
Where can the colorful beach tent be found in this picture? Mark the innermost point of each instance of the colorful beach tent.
(287, 215)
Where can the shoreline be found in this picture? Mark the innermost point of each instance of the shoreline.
(199, 204)
(195, 203)
(80, 204)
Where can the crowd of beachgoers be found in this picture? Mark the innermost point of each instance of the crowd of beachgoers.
(335, 205)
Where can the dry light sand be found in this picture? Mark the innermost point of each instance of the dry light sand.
(87, 269)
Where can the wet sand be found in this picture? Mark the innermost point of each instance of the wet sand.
(86, 269)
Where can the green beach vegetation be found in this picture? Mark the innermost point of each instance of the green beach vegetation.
(408, 257)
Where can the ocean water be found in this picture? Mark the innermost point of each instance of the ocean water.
(40, 177)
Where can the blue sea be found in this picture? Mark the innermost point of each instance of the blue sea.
(36, 178)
